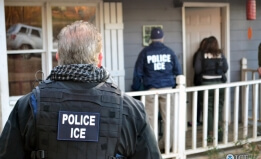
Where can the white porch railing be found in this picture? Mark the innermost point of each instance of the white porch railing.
(238, 97)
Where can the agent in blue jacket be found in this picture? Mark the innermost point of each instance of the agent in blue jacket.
(156, 68)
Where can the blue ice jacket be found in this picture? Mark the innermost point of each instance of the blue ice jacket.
(156, 67)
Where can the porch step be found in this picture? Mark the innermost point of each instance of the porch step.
(216, 153)
(222, 153)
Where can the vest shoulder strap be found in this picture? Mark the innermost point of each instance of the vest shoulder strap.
(37, 154)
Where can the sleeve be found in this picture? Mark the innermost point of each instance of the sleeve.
(13, 138)
(198, 64)
(225, 64)
(194, 59)
(137, 138)
(146, 146)
(138, 73)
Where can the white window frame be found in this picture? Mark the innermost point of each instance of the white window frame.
(8, 102)
(47, 33)
(49, 23)
(13, 99)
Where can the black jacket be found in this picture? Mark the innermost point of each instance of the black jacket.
(137, 140)
(156, 67)
(210, 66)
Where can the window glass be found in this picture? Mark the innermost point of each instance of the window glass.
(65, 15)
(35, 33)
(24, 32)
(22, 72)
(20, 20)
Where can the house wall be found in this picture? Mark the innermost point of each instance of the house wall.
(137, 13)
(240, 45)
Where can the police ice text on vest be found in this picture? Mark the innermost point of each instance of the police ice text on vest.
(158, 61)
(81, 120)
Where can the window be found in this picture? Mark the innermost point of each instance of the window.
(26, 45)
(21, 21)
(22, 30)
(35, 33)
(65, 15)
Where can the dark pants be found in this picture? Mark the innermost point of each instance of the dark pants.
(211, 98)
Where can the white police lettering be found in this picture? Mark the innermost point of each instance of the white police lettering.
(159, 61)
(73, 119)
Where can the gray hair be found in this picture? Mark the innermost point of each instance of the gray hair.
(79, 43)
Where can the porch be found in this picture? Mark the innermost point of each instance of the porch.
(242, 147)
(241, 118)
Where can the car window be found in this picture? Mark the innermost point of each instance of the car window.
(22, 30)
(35, 33)
(11, 29)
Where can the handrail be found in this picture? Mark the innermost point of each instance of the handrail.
(180, 94)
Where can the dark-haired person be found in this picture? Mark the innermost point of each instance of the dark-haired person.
(76, 113)
(212, 66)
(156, 68)
(198, 77)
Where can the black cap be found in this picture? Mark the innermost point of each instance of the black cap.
(156, 33)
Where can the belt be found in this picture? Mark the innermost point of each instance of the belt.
(212, 80)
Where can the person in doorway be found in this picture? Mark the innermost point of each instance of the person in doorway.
(212, 66)
(76, 112)
(198, 77)
(157, 67)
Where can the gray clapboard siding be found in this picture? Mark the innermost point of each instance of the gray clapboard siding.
(149, 12)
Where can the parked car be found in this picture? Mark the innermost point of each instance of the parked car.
(21, 36)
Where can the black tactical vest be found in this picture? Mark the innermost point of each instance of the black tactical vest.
(212, 66)
(77, 123)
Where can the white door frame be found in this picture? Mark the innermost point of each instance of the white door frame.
(4, 90)
(225, 29)
(225, 33)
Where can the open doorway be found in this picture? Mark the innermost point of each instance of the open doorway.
(200, 20)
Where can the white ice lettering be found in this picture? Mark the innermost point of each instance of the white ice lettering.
(78, 133)
(159, 60)
(159, 66)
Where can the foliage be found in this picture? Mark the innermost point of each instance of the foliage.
(214, 152)
(250, 148)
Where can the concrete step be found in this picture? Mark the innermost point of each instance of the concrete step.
(238, 152)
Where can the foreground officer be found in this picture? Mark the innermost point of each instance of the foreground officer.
(75, 113)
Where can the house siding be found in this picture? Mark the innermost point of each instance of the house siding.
(137, 13)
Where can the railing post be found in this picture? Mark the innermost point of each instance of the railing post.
(243, 66)
(182, 109)
(243, 78)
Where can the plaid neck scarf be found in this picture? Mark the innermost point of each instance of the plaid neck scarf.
(79, 72)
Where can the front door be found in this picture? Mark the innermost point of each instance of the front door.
(200, 23)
